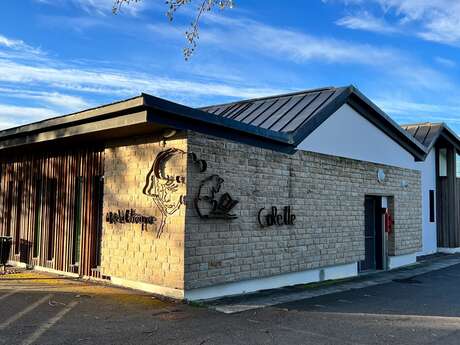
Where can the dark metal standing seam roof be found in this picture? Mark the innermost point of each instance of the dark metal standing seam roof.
(299, 114)
(279, 122)
(285, 113)
(426, 133)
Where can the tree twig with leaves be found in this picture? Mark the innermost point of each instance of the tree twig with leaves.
(192, 35)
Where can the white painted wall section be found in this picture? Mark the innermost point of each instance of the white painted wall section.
(348, 134)
(289, 279)
(428, 172)
(401, 260)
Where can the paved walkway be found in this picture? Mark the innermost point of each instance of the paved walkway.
(38, 308)
(274, 297)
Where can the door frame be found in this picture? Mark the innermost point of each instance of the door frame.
(379, 259)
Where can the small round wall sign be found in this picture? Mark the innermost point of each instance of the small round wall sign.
(381, 175)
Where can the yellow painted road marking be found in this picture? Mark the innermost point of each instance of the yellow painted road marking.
(50, 323)
(17, 316)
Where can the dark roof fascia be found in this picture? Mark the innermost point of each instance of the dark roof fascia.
(376, 116)
(182, 117)
(90, 115)
(158, 111)
(449, 135)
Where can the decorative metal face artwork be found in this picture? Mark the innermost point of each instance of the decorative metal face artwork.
(164, 186)
(206, 203)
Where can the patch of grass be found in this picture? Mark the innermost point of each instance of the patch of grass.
(326, 283)
(196, 304)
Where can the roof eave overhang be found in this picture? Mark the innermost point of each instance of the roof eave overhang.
(138, 116)
(185, 118)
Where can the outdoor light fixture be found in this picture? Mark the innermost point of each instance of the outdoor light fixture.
(380, 175)
(167, 133)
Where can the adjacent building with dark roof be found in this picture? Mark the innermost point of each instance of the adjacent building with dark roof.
(441, 191)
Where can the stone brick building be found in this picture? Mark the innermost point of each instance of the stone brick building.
(201, 203)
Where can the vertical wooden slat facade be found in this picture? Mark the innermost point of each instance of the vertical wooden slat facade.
(38, 203)
(447, 200)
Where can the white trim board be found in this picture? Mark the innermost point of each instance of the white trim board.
(57, 272)
(401, 260)
(247, 286)
(16, 264)
(448, 250)
(151, 288)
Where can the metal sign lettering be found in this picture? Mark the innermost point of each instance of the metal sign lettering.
(272, 217)
(129, 216)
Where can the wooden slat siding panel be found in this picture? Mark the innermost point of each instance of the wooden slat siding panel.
(457, 212)
(58, 172)
(451, 178)
(2, 199)
(442, 212)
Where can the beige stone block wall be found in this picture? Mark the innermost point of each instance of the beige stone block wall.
(326, 194)
(129, 252)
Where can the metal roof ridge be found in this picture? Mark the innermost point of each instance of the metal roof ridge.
(272, 96)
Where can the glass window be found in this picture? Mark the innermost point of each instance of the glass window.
(457, 165)
(442, 162)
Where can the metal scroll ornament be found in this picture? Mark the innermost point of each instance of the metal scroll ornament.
(163, 186)
(208, 205)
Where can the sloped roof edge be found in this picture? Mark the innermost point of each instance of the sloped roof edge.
(167, 113)
(352, 96)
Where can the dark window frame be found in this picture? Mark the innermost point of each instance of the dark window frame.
(432, 205)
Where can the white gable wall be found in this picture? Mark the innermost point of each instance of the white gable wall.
(428, 170)
(348, 134)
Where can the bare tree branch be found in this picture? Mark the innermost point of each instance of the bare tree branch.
(192, 35)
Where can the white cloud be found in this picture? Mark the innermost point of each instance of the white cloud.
(62, 101)
(18, 45)
(21, 113)
(287, 44)
(284, 43)
(367, 22)
(445, 62)
(432, 20)
(99, 7)
(121, 83)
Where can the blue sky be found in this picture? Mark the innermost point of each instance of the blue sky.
(61, 56)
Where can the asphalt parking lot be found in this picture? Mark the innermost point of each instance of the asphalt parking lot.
(36, 308)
